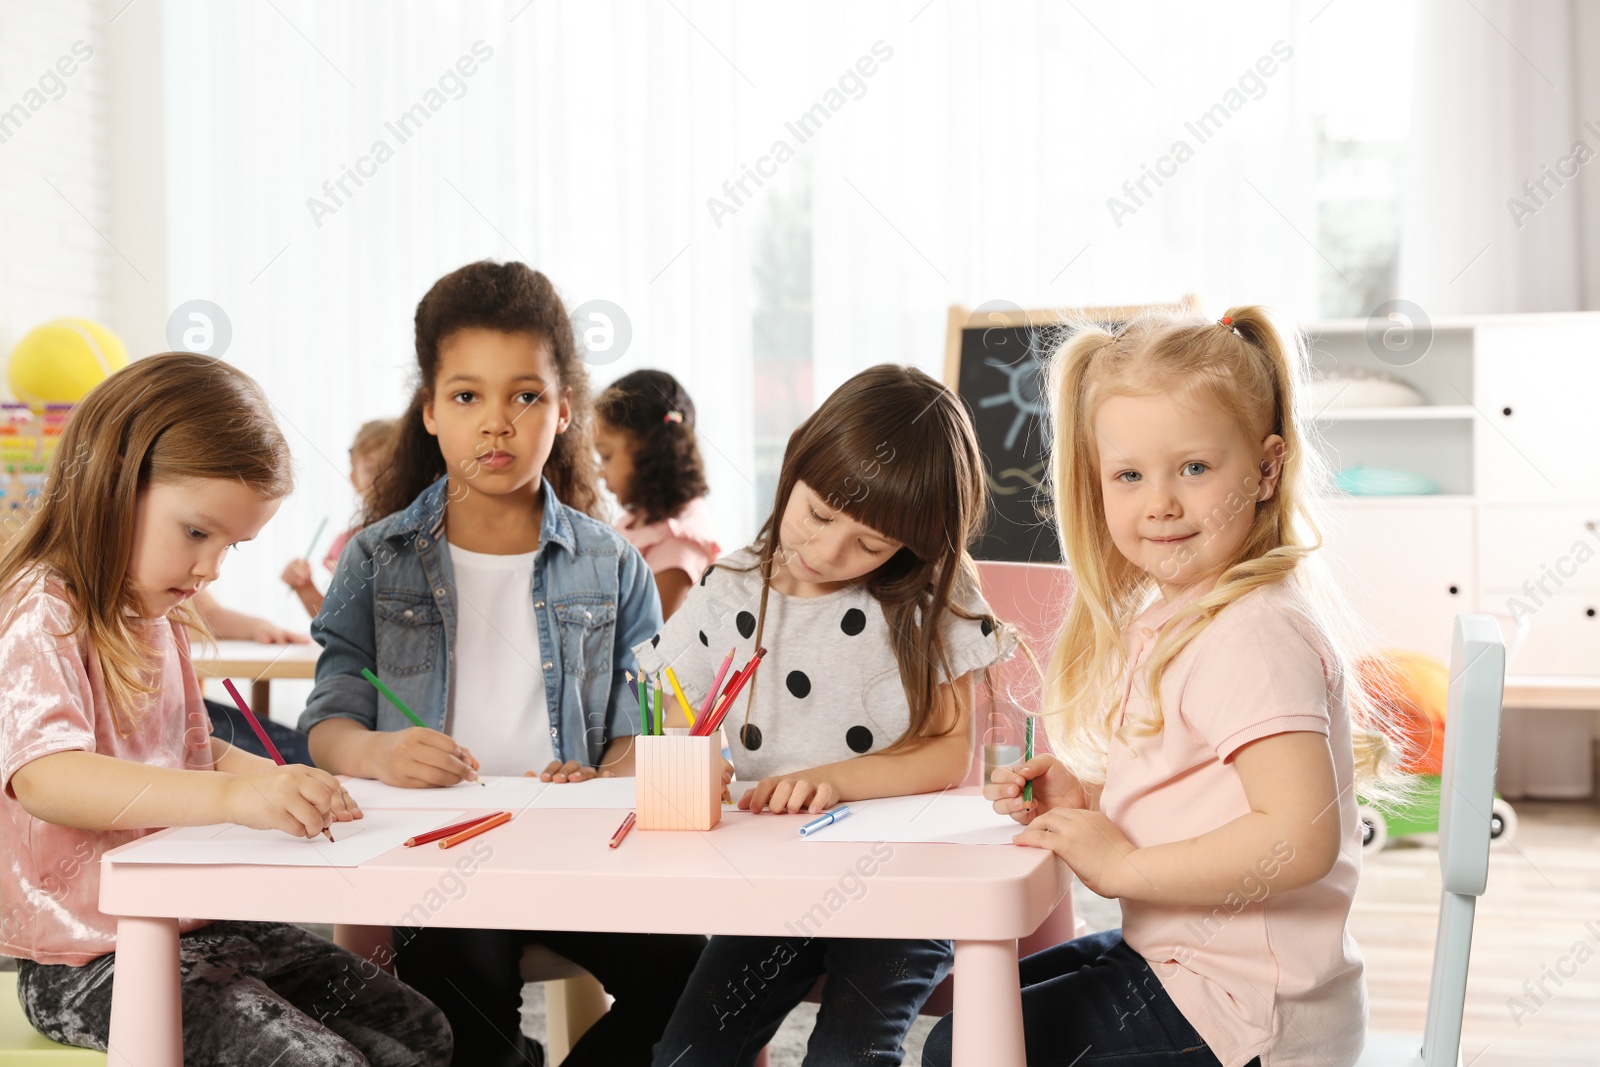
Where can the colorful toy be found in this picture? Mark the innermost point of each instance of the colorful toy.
(59, 362)
(1416, 689)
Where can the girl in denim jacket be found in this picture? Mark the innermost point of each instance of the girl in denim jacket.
(484, 592)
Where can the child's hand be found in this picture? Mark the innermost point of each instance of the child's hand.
(789, 795)
(297, 575)
(727, 772)
(415, 758)
(1090, 844)
(301, 801)
(570, 771)
(1053, 787)
(266, 633)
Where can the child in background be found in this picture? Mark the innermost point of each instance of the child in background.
(102, 735)
(487, 596)
(1208, 725)
(368, 452)
(644, 433)
(862, 591)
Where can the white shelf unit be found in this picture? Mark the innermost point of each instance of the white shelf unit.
(1511, 434)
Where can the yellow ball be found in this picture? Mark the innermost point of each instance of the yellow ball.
(59, 362)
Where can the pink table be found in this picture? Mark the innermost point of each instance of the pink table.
(551, 869)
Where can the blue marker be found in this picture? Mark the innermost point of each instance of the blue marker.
(827, 819)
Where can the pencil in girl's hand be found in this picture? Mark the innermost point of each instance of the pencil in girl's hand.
(1027, 754)
(499, 818)
(716, 683)
(312, 547)
(396, 701)
(677, 691)
(261, 735)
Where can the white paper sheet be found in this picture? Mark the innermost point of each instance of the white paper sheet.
(507, 793)
(595, 793)
(354, 842)
(940, 817)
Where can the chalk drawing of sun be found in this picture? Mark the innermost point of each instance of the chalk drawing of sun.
(1022, 390)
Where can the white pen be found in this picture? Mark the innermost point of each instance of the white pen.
(827, 819)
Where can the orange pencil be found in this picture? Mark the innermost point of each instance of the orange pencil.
(444, 831)
(497, 819)
(622, 831)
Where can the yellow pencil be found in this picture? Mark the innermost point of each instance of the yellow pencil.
(677, 691)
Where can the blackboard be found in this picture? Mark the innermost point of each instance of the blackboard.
(993, 360)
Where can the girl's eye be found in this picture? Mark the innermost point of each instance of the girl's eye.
(870, 551)
(1126, 477)
(1195, 468)
(462, 397)
(529, 397)
(814, 515)
(195, 535)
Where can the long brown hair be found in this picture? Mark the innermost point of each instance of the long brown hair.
(511, 298)
(895, 450)
(162, 418)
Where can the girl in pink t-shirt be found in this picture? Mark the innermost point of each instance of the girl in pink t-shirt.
(103, 735)
(1210, 734)
(644, 433)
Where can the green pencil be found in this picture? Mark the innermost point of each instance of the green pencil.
(396, 701)
(656, 714)
(1027, 790)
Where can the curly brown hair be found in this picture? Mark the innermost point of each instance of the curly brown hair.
(512, 298)
(655, 411)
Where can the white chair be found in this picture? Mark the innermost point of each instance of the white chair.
(574, 1000)
(1471, 741)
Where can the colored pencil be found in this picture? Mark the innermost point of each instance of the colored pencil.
(261, 735)
(1027, 754)
(497, 819)
(730, 694)
(444, 831)
(644, 710)
(396, 701)
(622, 831)
(677, 691)
(716, 683)
(312, 547)
(660, 728)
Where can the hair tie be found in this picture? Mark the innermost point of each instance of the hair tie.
(1226, 320)
(672, 416)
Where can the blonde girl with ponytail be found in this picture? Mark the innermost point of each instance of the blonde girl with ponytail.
(1210, 733)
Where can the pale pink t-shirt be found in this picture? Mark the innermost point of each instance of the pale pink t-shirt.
(685, 542)
(53, 700)
(1267, 973)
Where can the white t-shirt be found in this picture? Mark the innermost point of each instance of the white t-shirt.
(498, 708)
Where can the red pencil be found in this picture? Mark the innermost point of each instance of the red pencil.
(716, 683)
(730, 695)
(445, 831)
(622, 831)
(261, 735)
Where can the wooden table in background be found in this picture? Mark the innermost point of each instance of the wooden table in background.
(258, 663)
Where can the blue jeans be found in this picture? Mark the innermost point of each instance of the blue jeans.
(1094, 1000)
(227, 722)
(743, 987)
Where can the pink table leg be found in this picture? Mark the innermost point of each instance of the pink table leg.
(146, 997)
(988, 1006)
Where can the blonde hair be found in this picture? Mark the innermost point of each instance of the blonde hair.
(1254, 371)
(162, 418)
(375, 440)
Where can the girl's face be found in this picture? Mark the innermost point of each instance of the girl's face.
(1180, 480)
(821, 549)
(181, 530)
(496, 407)
(363, 472)
(615, 448)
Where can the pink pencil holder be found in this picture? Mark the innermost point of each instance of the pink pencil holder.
(678, 782)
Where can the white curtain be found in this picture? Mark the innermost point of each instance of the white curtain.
(1493, 206)
(977, 161)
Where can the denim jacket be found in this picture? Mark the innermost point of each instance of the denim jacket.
(392, 609)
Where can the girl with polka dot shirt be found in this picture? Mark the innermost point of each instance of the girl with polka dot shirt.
(861, 590)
